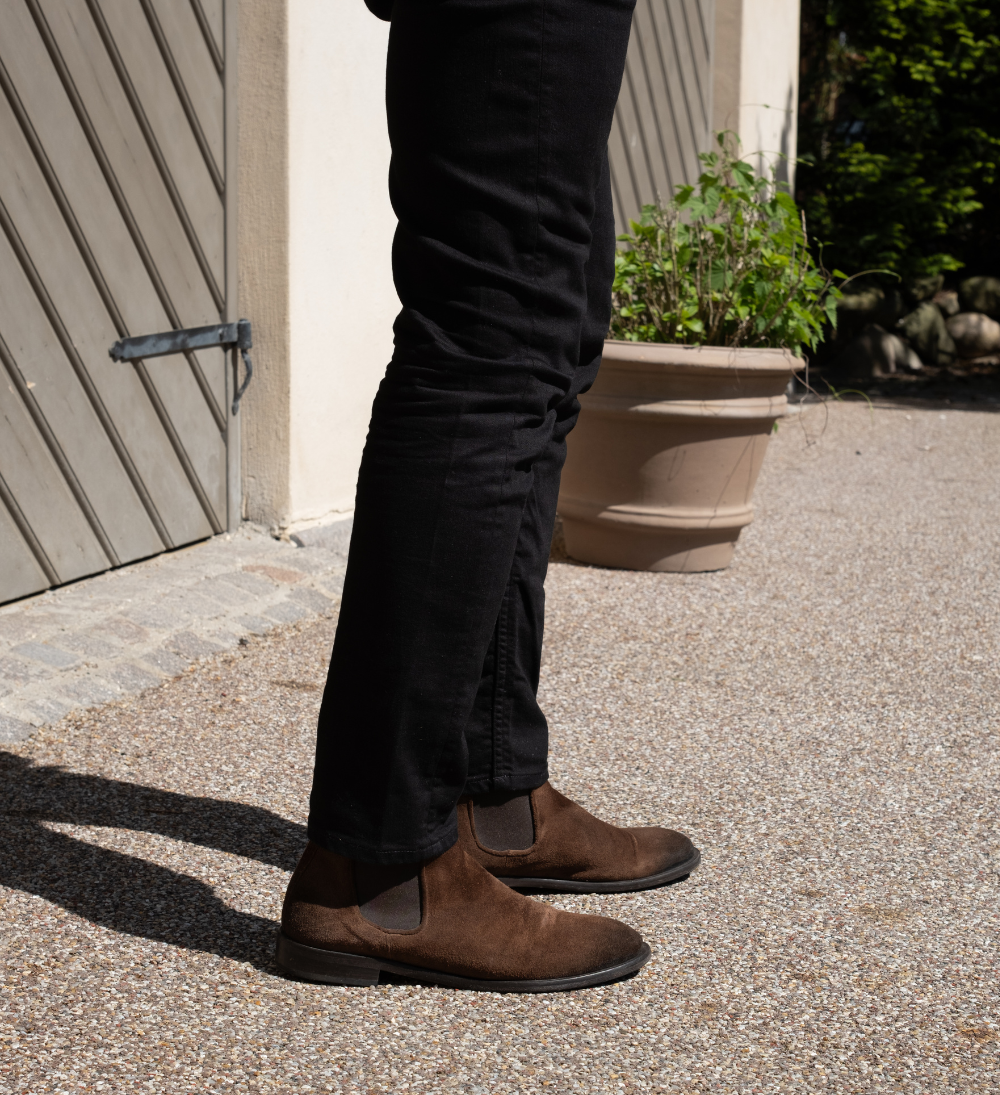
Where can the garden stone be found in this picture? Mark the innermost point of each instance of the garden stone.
(947, 301)
(975, 334)
(921, 289)
(12, 730)
(286, 613)
(335, 537)
(44, 709)
(249, 583)
(255, 625)
(856, 310)
(157, 618)
(190, 646)
(132, 678)
(981, 294)
(48, 655)
(89, 645)
(13, 671)
(166, 661)
(876, 353)
(89, 691)
(313, 599)
(926, 332)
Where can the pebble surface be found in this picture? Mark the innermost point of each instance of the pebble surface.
(821, 717)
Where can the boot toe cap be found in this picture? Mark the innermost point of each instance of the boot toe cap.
(661, 849)
(603, 943)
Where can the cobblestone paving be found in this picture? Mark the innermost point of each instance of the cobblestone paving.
(112, 636)
(822, 717)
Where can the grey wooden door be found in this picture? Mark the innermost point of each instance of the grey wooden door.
(112, 222)
(664, 114)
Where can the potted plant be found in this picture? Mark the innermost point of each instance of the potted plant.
(715, 297)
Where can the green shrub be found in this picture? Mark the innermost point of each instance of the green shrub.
(899, 118)
(725, 263)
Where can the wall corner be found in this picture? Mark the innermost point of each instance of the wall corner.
(262, 179)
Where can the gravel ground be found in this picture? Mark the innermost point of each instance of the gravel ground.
(822, 718)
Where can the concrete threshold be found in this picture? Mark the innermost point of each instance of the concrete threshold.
(114, 635)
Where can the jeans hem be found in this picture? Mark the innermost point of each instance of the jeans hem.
(522, 782)
(347, 846)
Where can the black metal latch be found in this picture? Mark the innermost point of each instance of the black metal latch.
(232, 336)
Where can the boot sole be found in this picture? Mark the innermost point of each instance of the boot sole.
(629, 885)
(336, 968)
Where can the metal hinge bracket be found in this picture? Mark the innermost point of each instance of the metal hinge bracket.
(231, 336)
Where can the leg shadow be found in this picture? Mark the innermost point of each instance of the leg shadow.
(125, 893)
(50, 793)
(131, 895)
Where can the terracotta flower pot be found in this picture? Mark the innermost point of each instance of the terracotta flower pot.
(662, 464)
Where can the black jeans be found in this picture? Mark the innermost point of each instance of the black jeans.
(499, 114)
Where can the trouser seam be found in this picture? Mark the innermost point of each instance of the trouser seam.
(500, 720)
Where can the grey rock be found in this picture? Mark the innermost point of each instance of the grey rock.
(90, 645)
(189, 602)
(334, 583)
(927, 333)
(226, 593)
(89, 691)
(132, 678)
(286, 613)
(255, 625)
(188, 645)
(166, 661)
(316, 561)
(48, 655)
(981, 294)
(859, 308)
(125, 630)
(14, 729)
(15, 671)
(975, 334)
(16, 628)
(156, 617)
(947, 302)
(334, 537)
(864, 301)
(282, 575)
(921, 289)
(249, 583)
(876, 353)
(311, 599)
(45, 709)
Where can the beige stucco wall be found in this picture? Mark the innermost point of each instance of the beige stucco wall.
(261, 209)
(315, 226)
(315, 230)
(756, 79)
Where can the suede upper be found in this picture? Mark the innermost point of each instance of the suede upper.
(471, 924)
(572, 844)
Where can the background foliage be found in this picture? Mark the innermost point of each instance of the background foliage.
(900, 118)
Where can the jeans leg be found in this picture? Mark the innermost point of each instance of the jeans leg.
(507, 733)
(499, 112)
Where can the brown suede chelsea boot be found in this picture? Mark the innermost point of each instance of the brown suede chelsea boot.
(540, 840)
(445, 921)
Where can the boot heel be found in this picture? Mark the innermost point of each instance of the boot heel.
(331, 967)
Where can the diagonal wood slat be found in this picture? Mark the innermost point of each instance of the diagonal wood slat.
(663, 116)
(112, 222)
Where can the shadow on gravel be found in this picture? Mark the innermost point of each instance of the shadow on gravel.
(123, 892)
